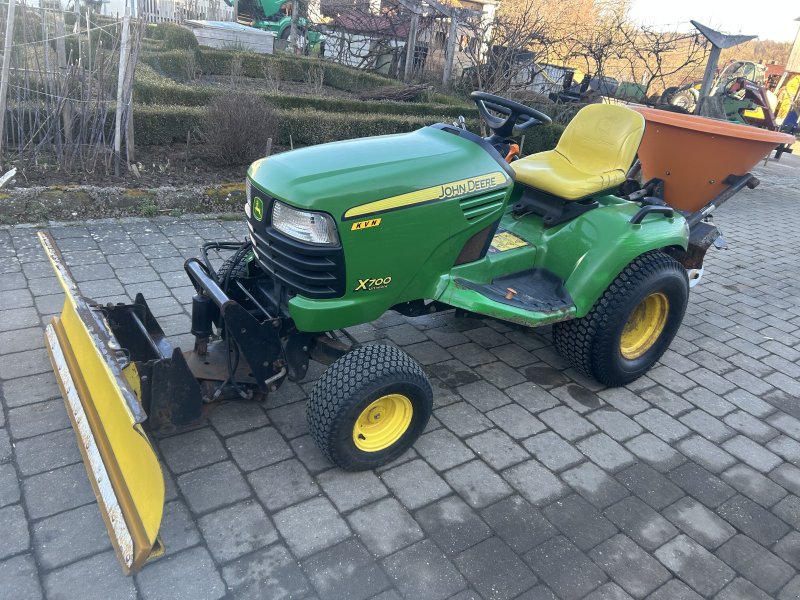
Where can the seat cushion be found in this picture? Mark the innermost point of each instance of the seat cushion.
(551, 172)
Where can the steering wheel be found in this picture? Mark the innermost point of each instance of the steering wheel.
(518, 116)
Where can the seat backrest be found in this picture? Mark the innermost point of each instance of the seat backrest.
(602, 138)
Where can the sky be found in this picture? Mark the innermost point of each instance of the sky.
(770, 20)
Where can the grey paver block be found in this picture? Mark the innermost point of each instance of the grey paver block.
(605, 452)
(704, 572)
(70, 535)
(579, 521)
(499, 374)
(786, 448)
(752, 453)
(415, 484)
(641, 523)
(442, 449)
(309, 454)
(178, 528)
(751, 519)
(290, 419)
(96, 578)
(14, 536)
(788, 509)
(516, 421)
(422, 571)
(709, 427)
(267, 573)
(707, 454)
(756, 563)
(741, 589)
(616, 424)
(661, 424)
(385, 527)
(788, 476)
(655, 452)
(791, 591)
(214, 486)
(9, 486)
(5, 445)
(711, 402)
(311, 526)
(519, 524)
(496, 448)
(47, 451)
(494, 570)
(788, 548)
(20, 364)
(483, 395)
(548, 561)
(536, 484)
(427, 353)
(624, 400)
(477, 484)
(54, 491)
(462, 419)
(17, 340)
(297, 484)
(701, 484)
(567, 423)
(346, 571)
(699, 522)
(191, 450)
(230, 418)
(236, 530)
(453, 525)
(190, 574)
(785, 423)
(674, 589)
(532, 397)
(594, 484)
(349, 490)
(608, 591)
(258, 448)
(35, 419)
(628, 565)
(649, 485)
(553, 451)
(753, 428)
(754, 485)
(20, 578)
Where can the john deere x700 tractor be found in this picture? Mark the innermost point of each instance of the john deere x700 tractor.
(434, 220)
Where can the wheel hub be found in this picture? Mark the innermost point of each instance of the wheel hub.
(382, 423)
(644, 326)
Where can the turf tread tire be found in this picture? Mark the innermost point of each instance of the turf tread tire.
(354, 380)
(587, 342)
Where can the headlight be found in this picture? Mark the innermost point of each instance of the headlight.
(304, 226)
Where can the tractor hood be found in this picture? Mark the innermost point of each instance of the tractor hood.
(352, 176)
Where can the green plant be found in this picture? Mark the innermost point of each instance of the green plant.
(178, 38)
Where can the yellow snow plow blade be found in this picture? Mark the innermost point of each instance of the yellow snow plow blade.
(96, 380)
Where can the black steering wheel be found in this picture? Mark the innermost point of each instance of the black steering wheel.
(518, 116)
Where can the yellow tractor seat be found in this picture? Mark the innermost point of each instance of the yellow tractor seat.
(593, 155)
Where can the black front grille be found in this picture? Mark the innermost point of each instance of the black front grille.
(305, 269)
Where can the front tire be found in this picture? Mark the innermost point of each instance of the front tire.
(632, 324)
(369, 407)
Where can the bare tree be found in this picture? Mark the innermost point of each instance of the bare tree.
(655, 56)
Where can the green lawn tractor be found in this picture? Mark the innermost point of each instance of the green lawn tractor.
(339, 234)
(273, 15)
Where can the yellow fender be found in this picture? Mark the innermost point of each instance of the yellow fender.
(99, 389)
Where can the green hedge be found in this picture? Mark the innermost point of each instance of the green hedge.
(210, 61)
(168, 124)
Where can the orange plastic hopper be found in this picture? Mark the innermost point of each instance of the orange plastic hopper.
(693, 155)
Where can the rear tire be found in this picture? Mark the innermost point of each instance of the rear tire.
(369, 407)
(685, 100)
(632, 324)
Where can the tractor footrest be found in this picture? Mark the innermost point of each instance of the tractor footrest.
(537, 290)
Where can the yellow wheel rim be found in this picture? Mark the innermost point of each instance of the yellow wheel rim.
(644, 326)
(382, 423)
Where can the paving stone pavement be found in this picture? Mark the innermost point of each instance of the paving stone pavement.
(530, 482)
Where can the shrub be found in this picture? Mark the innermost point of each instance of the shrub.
(236, 128)
(178, 38)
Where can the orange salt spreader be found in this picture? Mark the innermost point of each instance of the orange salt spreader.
(701, 160)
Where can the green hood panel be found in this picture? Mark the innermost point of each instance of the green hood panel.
(339, 176)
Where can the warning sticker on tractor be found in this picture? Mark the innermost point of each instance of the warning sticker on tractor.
(505, 240)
